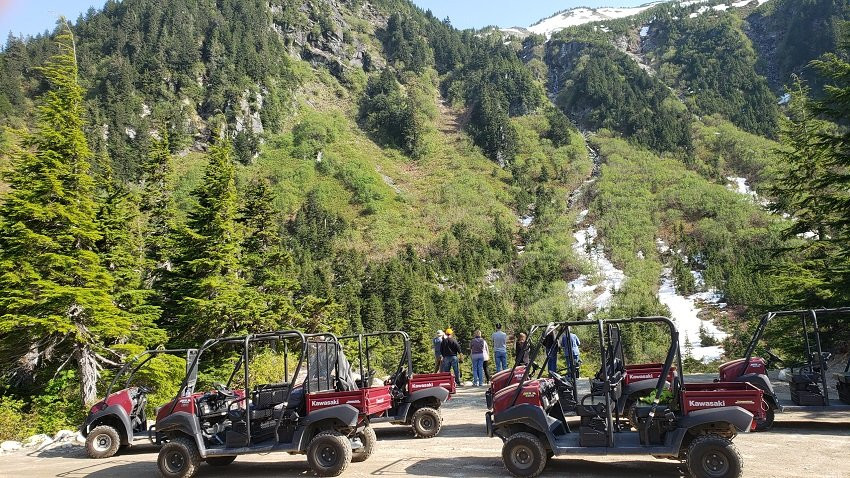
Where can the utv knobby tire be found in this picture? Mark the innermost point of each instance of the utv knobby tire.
(102, 442)
(524, 455)
(767, 423)
(179, 458)
(426, 422)
(220, 460)
(712, 456)
(329, 453)
(368, 438)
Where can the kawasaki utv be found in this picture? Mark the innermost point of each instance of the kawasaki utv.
(416, 398)
(638, 381)
(808, 383)
(696, 426)
(314, 409)
(120, 417)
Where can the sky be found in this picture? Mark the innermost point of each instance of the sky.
(30, 17)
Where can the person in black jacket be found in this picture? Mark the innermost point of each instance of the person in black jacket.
(450, 349)
(522, 349)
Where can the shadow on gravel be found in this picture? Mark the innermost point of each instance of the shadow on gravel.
(401, 432)
(296, 466)
(78, 451)
(810, 428)
(492, 466)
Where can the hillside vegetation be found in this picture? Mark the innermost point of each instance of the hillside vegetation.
(176, 171)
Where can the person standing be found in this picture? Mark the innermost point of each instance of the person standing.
(486, 362)
(500, 348)
(522, 352)
(477, 347)
(436, 345)
(449, 349)
(573, 346)
(551, 348)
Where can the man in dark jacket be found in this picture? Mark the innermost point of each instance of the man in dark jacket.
(450, 349)
(522, 350)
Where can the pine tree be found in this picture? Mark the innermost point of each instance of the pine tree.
(834, 185)
(158, 208)
(121, 247)
(268, 267)
(55, 303)
(210, 297)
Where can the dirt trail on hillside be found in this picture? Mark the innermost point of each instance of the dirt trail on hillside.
(463, 450)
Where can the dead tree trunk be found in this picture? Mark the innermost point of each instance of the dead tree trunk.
(87, 363)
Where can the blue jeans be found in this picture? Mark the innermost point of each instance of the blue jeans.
(575, 363)
(477, 371)
(501, 360)
(552, 360)
(449, 363)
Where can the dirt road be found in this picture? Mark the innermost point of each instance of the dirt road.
(463, 450)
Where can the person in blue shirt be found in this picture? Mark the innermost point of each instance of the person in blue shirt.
(500, 348)
(435, 345)
(575, 344)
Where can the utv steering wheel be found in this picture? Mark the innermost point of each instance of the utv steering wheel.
(221, 389)
(772, 358)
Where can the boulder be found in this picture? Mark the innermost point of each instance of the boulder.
(63, 435)
(10, 445)
(38, 441)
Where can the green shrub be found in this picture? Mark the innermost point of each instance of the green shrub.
(15, 424)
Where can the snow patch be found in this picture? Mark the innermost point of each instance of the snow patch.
(582, 288)
(685, 313)
(582, 15)
(740, 186)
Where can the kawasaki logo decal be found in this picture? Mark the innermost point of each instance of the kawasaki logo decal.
(322, 403)
(715, 403)
(642, 375)
(423, 385)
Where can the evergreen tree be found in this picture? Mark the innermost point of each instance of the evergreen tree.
(121, 247)
(55, 303)
(157, 206)
(268, 267)
(211, 298)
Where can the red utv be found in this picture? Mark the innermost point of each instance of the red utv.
(416, 398)
(809, 390)
(696, 426)
(314, 409)
(120, 417)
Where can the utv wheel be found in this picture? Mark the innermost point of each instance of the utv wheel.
(426, 422)
(179, 458)
(220, 460)
(524, 455)
(368, 438)
(765, 424)
(102, 442)
(712, 456)
(329, 453)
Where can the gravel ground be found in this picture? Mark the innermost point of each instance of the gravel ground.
(463, 450)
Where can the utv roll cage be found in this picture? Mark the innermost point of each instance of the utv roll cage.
(815, 357)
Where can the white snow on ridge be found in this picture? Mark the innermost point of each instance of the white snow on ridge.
(582, 15)
(740, 186)
(685, 313)
(582, 288)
